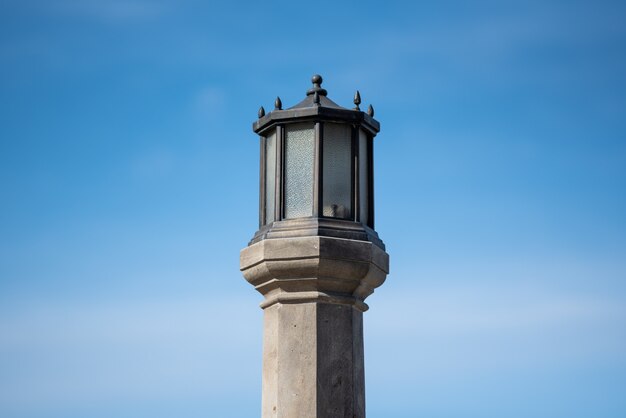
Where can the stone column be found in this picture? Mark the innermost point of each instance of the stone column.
(314, 289)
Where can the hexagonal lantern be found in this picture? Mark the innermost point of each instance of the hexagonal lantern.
(317, 169)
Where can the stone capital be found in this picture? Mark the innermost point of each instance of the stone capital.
(314, 269)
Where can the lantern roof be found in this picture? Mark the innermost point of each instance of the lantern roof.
(316, 106)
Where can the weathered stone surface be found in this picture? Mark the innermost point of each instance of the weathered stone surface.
(335, 270)
(314, 290)
(313, 361)
(339, 388)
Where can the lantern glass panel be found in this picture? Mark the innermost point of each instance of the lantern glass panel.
(299, 153)
(270, 177)
(337, 171)
(363, 178)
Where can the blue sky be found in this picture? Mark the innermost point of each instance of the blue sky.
(128, 176)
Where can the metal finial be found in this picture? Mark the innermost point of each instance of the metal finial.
(370, 110)
(261, 112)
(278, 105)
(316, 98)
(317, 80)
(317, 86)
(357, 100)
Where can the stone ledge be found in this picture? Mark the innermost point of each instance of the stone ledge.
(313, 297)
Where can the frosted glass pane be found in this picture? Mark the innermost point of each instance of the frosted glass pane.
(299, 150)
(363, 177)
(337, 178)
(270, 177)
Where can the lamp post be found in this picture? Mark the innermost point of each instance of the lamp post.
(316, 255)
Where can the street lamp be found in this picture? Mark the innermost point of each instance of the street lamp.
(316, 255)
(317, 169)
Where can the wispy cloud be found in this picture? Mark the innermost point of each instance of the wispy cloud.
(458, 330)
(455, 310)
(69, 355)
(155, 163)
(116, 11)
(209, 101)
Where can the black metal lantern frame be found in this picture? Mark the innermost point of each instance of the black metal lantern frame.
(316, 170)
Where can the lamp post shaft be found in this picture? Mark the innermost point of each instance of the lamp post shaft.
(316, 256)
(313, 361)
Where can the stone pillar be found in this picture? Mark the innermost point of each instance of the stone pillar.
(314, 289)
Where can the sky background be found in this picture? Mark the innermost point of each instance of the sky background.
(129, 183)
